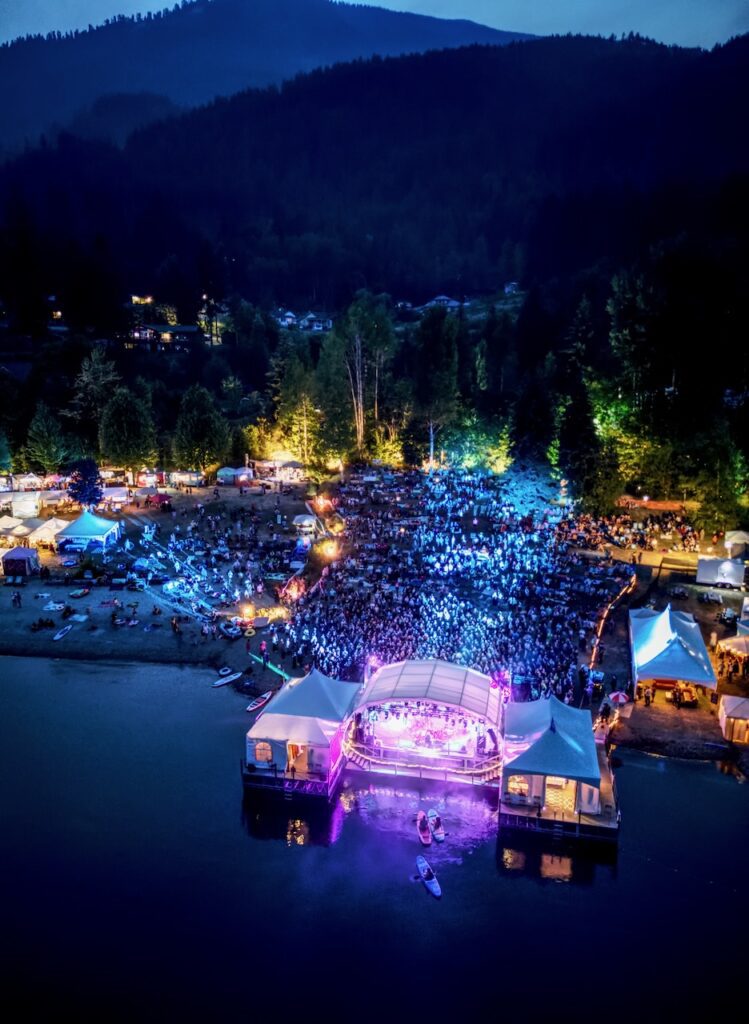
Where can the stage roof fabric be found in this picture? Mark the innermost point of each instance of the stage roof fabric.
(437, 681)
(557, 740)
(669, 645)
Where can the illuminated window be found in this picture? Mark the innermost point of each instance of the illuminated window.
(263, 752)
(517, 785)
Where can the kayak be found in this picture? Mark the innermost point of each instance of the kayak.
(62, 632)
(228, 679)
(428, 877)
(435, 824)
(422, 829)
(259, 701)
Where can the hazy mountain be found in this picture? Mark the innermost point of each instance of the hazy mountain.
(201, 50)
(448, 171)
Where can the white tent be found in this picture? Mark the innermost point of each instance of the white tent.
(733, 715)
(547, 737)
(668, 645)
(301, 724)
(736, 645)
(8, 522)
(88, 527)
(437, 681)
(28, 482)
(711, 571)
(115, 495)
(25, 504)
(736, 543)
(47, 532)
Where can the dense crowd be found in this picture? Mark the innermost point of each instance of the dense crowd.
(669, 531)
(444, 566)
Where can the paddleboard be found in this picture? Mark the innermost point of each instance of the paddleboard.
(435, 824)
(228, 679)
(422, 829)
(428, 876)
(62, 632)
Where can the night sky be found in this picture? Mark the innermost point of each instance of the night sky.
(685, 22)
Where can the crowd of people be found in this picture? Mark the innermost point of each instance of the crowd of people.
(666, 531)
(444, 566)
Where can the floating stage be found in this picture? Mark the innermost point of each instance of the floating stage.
(441, 723)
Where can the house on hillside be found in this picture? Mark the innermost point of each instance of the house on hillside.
(443, 302)
(160, 337)
(316, 322)
(286, 318)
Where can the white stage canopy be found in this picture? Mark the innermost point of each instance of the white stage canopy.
(669, 645)
(436, 681)
(558, 741)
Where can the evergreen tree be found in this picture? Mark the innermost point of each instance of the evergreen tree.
(45, 444)
(202, 434)
(126, 433)
(85, 484)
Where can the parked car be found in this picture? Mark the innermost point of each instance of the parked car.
(681, 593)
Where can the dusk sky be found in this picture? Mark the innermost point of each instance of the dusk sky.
(685, 22)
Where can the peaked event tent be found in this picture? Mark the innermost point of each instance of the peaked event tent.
(668, 645)
(547, 737)
(89, 527)
(307, 712)
(48, 531)
(20, 562)
(733, 715)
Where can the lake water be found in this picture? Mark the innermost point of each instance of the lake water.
(137, 885)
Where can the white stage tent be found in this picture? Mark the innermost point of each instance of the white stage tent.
(668, 645)
(301, 724)
(436, 681)
(733, 715)
(88, 527)
(552, 739)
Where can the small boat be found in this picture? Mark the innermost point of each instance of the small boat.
(259, 701)
(223, 680)
(62, 632)
(423, 830)
(436, 826)
(428, 877)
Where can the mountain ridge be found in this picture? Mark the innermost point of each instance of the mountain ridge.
(200, 50)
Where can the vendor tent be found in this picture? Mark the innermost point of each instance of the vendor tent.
(48, 531)
(303, 722)
(738, 644)
(20, 562)
(115, 496)
(8, 522)
(88, 527)
(713, 571)
(24, 504)
(737, 543)
(28, 482)
(668, 645)
(226, 475)
(733, 715)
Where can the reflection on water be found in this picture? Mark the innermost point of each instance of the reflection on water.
(294, 822)
(550, 861)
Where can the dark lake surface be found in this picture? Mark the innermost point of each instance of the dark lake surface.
(137, 884)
